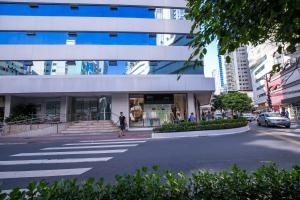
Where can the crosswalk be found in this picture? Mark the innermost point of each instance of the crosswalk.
(88, 151)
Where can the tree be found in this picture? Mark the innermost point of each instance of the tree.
(217, 103)
(237, 101)
(235, 23)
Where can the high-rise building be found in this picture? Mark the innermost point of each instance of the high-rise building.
(236, 72)
(218, 85)
(92, 60)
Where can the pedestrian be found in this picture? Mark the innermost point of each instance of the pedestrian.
(192, 118)
(287, 115)
(177, 118)
(209, 116)
(122, 120)
(172, 117)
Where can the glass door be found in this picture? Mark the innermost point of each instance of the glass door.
(91, 108)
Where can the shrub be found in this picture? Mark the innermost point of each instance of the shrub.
(202, 125)
(268, 182)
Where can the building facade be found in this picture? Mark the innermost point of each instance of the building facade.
(285, 86)
(91, 60)
(236, 72)
(282, 87)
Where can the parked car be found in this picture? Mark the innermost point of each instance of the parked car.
(218, 116)
(249, 116)
(273, 119)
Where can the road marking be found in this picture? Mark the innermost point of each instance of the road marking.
(98, 143)
(15, 143)
(52, 161)
(71, 152)
(283, 138)
(43, 173)
(115, 140)
(90, 147)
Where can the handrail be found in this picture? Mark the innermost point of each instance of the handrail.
(56, 118)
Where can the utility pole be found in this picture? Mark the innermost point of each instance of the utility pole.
(269, 101)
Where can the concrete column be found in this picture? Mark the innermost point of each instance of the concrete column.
(191, 104)
(63, 109)
(120, 103)
(7, 106)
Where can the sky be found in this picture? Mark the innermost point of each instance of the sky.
(211, 59)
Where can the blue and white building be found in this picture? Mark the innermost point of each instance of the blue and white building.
(91, 59)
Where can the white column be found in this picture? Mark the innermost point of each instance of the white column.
(7, 106)
(120, 103)
(63, 109)
(191, 104)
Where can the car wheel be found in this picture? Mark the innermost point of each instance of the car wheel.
(288, 126)
(267, 124)
(258, 123)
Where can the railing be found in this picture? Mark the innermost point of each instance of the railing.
(46, 121)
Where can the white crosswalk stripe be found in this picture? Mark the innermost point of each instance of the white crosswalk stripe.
(113, 140)
(48, 155)
(90, 147)
(71, 152)
(53, 161)
(43, 173)
(97, 143)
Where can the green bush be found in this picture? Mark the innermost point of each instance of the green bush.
(202, 125)
(268, 182)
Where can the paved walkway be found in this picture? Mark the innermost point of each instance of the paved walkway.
(66, 137)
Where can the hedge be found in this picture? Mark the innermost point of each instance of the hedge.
(268, 182)
(202, 125)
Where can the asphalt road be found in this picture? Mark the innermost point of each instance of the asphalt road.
(69, 158)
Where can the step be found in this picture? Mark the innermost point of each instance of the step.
(88, 131)
(98, 125)
(102, 129)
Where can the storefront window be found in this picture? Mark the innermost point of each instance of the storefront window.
(153, 110)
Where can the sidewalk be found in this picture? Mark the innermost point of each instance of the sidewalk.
(66, 137)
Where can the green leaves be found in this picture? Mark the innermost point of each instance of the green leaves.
(237, 101)
(202, 125)
(238, 23)
(268, 182)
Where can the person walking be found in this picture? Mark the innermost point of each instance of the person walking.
(192, 118)
(122, 120)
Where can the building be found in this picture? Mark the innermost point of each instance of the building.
(285, 86)
(236, 72)
(218, 85)
(90, 60)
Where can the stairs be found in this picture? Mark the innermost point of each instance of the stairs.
(86, 127)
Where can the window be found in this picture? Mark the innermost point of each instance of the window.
(259, 69)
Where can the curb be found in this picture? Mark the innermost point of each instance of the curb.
(208, 133)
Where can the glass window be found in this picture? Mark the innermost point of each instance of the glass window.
(94, 38)
(90, 11)
(153, 110)
(96, 67)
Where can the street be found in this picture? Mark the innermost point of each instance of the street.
(22, 163)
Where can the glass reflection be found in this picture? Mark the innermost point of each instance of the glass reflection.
(153, 110)
(91, 11)
(94, 38)
(96, 67)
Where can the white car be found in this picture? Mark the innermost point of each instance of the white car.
(249, 116)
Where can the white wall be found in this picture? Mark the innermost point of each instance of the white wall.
(95, 24)
(94, 52)
(104, 83)
(120, 103)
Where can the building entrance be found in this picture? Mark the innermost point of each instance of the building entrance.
(91, 108)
